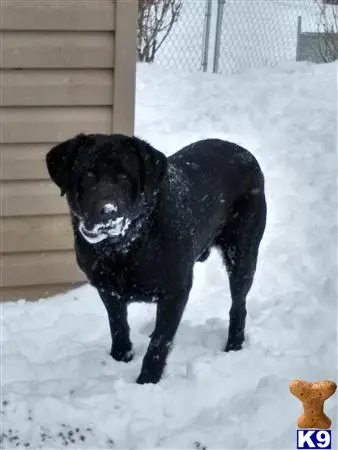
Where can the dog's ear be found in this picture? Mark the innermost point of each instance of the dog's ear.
(60, 160)
(154, 166)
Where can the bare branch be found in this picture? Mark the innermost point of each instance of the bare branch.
(155, 22)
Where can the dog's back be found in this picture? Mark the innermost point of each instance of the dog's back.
(216, 174)
(219, 165)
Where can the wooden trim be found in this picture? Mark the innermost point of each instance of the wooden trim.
(125, 66)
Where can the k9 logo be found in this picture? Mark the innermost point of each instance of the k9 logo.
(313, 439)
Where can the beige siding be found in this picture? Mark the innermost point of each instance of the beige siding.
(20, 125)
(62, 15)
(35, 292)
(31, 198)
(125, 66)
(31, 269)
(28, 50)
(66, 67)
(63, 87)
(32, 234)
(24, 161)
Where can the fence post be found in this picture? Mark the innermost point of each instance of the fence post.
(218, 33)
(206, 35)
(299, 31)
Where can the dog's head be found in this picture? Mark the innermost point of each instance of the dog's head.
(107, 179)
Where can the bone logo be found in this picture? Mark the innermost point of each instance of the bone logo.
(314, 424)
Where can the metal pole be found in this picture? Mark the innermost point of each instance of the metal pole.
(218, 33)
(206, 35)
(299, 31)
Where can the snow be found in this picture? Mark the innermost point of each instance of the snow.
(110, 207)
(57, 376)
(101, 231)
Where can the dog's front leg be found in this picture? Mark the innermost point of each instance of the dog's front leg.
(116, 307)
(169, 313)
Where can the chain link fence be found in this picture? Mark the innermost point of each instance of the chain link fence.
(261, 33)
(229, 36)
(183, 46)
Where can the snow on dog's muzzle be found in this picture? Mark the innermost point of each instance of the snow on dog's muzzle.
(112, 228)
(93, 236)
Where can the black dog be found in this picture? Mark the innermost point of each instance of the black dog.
(142, 220)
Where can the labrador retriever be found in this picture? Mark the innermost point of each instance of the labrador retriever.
(141, 220)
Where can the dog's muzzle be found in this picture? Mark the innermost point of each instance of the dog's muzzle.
(111, 229)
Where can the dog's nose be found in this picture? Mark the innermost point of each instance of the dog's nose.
(107, 210)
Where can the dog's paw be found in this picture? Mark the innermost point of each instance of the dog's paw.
(233, 346)
(147, 377)
(122, 354)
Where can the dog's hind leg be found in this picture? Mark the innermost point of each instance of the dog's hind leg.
(239, 243)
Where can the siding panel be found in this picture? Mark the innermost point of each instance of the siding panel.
(52, 124)
(29, 269)
(24, 162)
(59, 15)
(31, 199)
(57, 88)
(36, 234)
(32, 50)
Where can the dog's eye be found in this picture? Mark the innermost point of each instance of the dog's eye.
(122, 177)
(90, 177)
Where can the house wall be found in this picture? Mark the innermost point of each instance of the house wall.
(65, 67)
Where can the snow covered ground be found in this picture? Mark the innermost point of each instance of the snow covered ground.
(59, 387)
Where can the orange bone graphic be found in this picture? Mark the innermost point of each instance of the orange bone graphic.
(313, 396)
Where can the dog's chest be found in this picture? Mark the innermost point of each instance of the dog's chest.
(125, 276)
